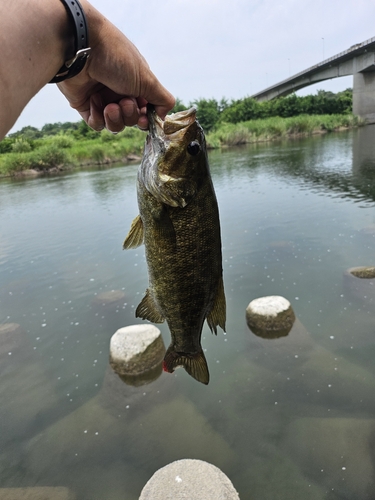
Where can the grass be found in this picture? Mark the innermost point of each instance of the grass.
(267, 129)
(65, 151)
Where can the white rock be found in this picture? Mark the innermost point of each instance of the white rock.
(270, 317)
(135, 349)
(192, 479)
(269, 306)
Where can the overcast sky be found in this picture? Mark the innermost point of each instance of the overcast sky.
(225, 48)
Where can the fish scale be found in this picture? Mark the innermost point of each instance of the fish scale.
(179, 225)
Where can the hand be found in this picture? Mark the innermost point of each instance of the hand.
(116, 83)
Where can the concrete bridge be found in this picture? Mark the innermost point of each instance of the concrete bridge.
(358, 60)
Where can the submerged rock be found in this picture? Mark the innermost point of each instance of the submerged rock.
(112, 298)
(27, 395)
(337, 452)
(11, 338)
(136, 349)
(360, 282)
(270, 317)
(193, 479)
(150, 429)
(368, 231)
(37, 493)
(284, 354)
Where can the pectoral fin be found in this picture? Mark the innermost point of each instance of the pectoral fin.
(148, 309)
(217, 315)
(135, 236)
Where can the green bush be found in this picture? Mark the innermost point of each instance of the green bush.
(208, 112)
(106, 136)
(230, 134)
(97, 153)
(62, 141)
(15, 162)
(21, 146)
(48, 156)
(6, 145)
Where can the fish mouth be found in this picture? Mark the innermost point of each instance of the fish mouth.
(174, 125)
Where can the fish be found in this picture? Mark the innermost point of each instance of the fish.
(179, 224)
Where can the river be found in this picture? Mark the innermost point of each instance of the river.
(286, 418)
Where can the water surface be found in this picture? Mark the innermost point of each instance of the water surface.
(289, 418)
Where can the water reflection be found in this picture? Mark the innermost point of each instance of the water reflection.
(346, 170)
(364, 151)
(145, 378)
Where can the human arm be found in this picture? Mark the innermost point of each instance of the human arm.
(112, 89)
(29, 55)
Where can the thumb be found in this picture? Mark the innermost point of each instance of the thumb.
(160, 97)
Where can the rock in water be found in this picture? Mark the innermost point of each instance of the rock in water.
(193, 479)
(360, 283)
(11, 338)
(113, 298)
(270, 317)
(136, 349)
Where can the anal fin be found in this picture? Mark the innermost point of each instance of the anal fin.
(217, 315)
(147, 309)
(135, 236)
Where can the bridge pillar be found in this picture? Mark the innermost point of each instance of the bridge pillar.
(364, 95)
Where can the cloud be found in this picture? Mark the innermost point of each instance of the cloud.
(216, 48)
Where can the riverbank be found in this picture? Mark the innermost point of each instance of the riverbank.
(64, 152)
(270, 129)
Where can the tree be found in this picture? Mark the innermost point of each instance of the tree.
(208, 113)
(27, 133)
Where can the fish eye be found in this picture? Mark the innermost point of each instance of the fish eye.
(193, 148)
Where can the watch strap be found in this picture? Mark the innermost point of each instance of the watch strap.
(81, 48)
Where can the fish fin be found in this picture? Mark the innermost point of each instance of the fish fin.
(217, 315)
(194, 363)
(135, 236)
(147, 309)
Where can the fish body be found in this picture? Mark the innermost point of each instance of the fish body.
(179, 225)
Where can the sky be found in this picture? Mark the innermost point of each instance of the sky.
(231, 49)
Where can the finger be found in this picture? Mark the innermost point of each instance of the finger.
(95, 119)
(143, 122)
(142, 103)
(159, 96)
(130, 111)
(113, 118)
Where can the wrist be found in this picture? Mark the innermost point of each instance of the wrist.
(81, 51)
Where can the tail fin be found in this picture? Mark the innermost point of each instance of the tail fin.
(194, 363)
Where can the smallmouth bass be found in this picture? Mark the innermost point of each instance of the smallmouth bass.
(179, 225)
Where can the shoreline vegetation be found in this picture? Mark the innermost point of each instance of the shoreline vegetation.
(65, 146)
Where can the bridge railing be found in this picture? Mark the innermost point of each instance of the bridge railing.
(354, 48)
